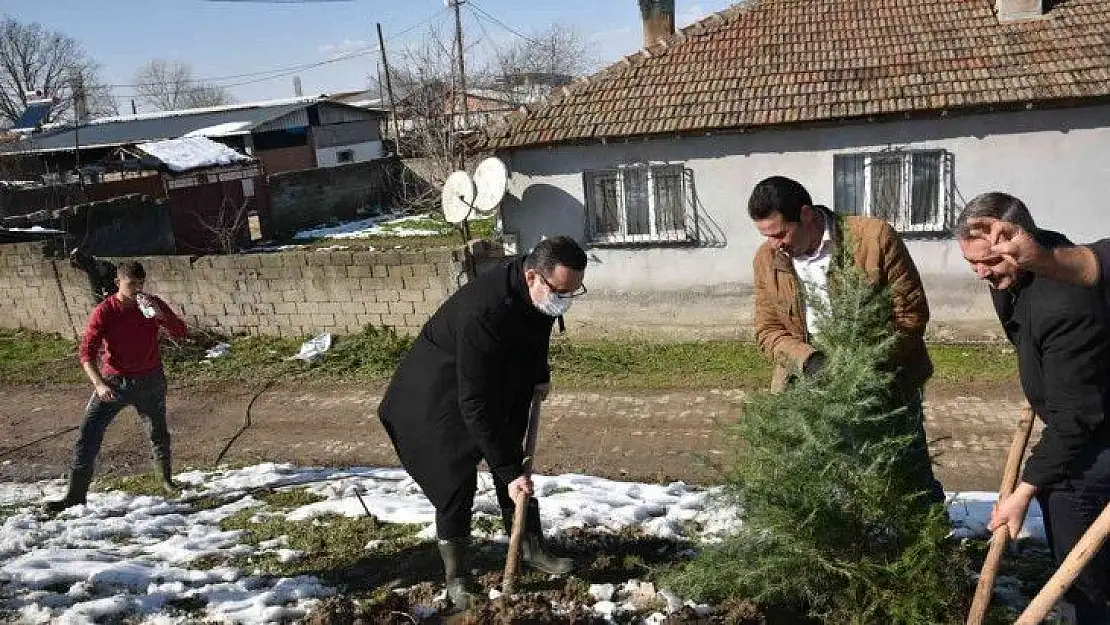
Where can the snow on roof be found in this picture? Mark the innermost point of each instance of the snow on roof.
(207, 109)
(222, 130)
(191, 153)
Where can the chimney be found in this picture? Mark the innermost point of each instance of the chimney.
(1013, 10)
(658, 18)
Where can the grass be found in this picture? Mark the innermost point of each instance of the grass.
(328, 542)
(371, 356)
(137, 484)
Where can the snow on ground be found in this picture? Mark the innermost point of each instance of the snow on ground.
(134, 555)
(387, 225)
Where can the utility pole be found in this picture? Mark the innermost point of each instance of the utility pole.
(80, 112)
(462, 66)
(389, 91)
(455, 4)
(134, 111)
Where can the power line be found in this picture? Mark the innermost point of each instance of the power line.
(502, 24)
(280, 72)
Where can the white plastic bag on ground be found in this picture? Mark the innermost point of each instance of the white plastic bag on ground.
(219, 350)
(314, 348)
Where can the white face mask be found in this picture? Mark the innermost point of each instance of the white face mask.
(554, 305)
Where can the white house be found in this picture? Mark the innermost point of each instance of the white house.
(898, 108)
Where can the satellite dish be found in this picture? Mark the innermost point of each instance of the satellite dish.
(457, 197)
(491, 178)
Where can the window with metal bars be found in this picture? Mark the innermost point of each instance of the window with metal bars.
(912, 189)
(640, 204)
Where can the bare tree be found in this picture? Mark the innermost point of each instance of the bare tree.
(228, 227)
(171, 85)
(530, 68)
(33, 58)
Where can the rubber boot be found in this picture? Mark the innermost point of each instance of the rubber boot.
(163, 467)
(533, 550)
(461, 589)
(75, 495)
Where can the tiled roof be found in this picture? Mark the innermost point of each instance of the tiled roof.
(775, 62)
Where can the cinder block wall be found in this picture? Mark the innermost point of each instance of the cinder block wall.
(285, 294)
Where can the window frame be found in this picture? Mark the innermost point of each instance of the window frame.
(682, 230)
(940, 217)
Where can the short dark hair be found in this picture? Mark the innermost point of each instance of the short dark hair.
(550, 253)
(131, 269)
(778, 194)
(1001, 206)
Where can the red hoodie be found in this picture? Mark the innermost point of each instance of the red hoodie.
(129, 340)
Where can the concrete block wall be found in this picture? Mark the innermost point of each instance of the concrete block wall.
(285, 294)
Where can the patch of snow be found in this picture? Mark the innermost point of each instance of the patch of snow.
(123, 556)
(188, 153)
(221, 130)
(385, 225)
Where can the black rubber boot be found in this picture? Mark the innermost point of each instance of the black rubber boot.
(461, 589)
(534, 551)
(75, 495)
(163, 467)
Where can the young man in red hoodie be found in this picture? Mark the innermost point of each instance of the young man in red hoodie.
(124, 339)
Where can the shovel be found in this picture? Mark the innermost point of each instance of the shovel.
(512, 561)
(1089, 544)
(1001, 536)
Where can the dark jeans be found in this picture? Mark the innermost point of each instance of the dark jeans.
(1069, 509)
(920, 453)
(147, 394)
(453, 520)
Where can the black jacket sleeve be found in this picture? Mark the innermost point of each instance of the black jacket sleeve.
(1074, 351)
(1102, 252)
(481, 349)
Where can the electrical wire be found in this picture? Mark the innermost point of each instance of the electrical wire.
(280, 72)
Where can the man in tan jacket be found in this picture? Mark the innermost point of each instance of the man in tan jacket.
(801, 239)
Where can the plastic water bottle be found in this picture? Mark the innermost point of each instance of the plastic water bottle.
(145, 305)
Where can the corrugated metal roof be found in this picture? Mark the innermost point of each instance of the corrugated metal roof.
(141, 128)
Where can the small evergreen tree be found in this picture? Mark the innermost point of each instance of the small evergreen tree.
(836, 519)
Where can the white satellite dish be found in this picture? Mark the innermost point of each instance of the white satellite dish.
(457, 197)
(491, 178)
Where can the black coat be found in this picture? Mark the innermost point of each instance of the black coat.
(1061, 333)
(463, 392)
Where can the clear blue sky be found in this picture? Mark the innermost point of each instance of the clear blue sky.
(226, 38)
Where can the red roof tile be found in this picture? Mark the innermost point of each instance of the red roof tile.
(783, 61)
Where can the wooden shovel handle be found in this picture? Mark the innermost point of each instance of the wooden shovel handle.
(1064, 577)
(512, 560)
(985, 588)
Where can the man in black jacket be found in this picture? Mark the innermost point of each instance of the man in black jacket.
(1061, 333)
(463, 394)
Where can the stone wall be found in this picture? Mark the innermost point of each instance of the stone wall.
(288, 293)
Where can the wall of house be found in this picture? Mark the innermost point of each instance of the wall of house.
(360, 153)
(286, 294)
(315, 196)
(280, 160)
(1057, 161)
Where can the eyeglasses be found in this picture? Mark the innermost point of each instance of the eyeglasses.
(581, 290)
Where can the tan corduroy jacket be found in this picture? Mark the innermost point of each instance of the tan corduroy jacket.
(780, 322)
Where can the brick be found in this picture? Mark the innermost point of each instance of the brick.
(286, 308)
(400, 271)
(412, 296)
(401, 308)
(393, 321)
(424, 269)
(416, 283)
(358, 271)
(379, 271)
(415, 320)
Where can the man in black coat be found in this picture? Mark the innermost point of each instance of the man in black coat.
(463, 394)
(1061, 333)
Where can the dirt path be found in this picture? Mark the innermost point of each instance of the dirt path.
(649, 436)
